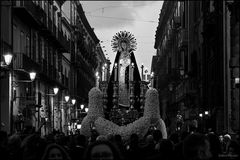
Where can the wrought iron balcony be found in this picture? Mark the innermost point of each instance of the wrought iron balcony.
(23, 61)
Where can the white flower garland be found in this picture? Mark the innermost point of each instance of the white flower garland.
(95, 110)
(140, 127)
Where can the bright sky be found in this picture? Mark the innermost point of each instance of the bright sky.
(138, 17)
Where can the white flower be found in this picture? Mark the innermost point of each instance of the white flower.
(152, 104)
(140, 127)
(95, 110)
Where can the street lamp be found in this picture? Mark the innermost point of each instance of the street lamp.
(79, 126)
(55, 90)
(82, 106)
(73, 101)
(66, 98)
(32, 75)
(237, 82)
(8, 58)
(206, 112)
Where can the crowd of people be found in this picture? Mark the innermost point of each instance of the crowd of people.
(57, 146)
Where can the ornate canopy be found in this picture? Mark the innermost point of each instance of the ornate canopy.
(124, 36)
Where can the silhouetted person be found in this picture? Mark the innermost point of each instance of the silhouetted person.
(196, 147)
(102, 150)
(134, 150)
(78, 150)
(32, 147)
(215, 145)
(55, 152)
(149, 148)
(14, 147)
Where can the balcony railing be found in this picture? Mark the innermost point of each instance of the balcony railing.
(22, 61)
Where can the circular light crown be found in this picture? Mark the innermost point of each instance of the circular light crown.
(123, 36)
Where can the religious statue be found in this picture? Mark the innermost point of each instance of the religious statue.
(123, 107)
(125, 72)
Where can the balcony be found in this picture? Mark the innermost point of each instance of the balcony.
(183, 40)
(22, 61)
(28, 12)
(50, 74)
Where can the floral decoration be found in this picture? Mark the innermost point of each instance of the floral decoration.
(151, 117)
(139, 127)
(95, 110)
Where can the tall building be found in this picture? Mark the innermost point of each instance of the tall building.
(61, 49)
(196, 66)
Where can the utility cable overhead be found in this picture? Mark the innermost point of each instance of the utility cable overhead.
(118, 18)
(102, 8)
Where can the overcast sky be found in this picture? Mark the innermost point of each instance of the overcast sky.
(138, 17)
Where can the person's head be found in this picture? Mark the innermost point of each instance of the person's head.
(214, 141)
(196, 147)
(226, 138)
(149, 139)
(101, 138)
(233, 148)
(102, 150)
(55, 152)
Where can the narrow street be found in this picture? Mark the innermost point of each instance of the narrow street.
(119, 80)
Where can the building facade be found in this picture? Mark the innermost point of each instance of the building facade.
(195, 42)
(42, 38)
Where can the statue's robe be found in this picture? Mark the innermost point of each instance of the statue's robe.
(136, 78)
